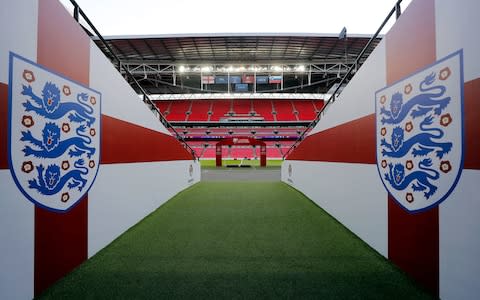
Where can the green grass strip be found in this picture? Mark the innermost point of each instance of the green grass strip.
(230, 240)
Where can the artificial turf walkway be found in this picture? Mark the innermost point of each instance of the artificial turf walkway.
(237, 240)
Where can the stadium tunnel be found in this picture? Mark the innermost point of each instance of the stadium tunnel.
(81, 113)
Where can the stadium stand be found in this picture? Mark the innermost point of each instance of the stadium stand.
(206, 150)
(164, 106)
(209, 152)
(233, 131)
(179, 110)
(269, 110)
(264, 109)
(284, 110)
(199, 110)
(220, 109)
(306, 109)
(242, 107)
(203, 122)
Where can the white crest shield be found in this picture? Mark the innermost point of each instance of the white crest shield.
(54, 135)
(419, 134)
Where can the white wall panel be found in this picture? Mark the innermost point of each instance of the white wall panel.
(18, 34)
(460, 240)
(352, 193)
(457, 26)
(17, 217)
(119, 100)
(358, 98)
(124, 194)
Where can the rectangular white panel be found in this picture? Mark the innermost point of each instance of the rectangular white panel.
(457, 26)
(460, 240)
(18, 33)
(17, 217)
(358, 98)
(124, 194)
(352, 193)
(119, 100)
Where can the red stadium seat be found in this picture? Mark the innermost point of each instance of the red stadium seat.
(199, 110)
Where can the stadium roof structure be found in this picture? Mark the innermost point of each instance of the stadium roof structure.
(177, 64)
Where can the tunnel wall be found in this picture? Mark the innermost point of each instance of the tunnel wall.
(336, 164)
(136, 167)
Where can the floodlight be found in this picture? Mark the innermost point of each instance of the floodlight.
(300, 68)
(277, 68)
(207, 69)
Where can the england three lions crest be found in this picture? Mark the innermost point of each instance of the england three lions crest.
(54, 135)
(419, 133)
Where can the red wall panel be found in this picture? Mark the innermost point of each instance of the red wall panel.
(351, 142)
(472, 127)
(413, 238)
(60, 243)
(60, 239)
(124, 142)
(3, 126)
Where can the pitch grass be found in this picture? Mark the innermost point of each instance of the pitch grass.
(210, 163)
(228, 240)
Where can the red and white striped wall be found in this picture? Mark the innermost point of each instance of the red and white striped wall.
(335, 165)
(142, 166)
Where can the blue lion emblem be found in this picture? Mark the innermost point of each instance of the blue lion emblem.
(52, 182)
(50, 106)
(420, 105)
(419, 125)
(425, 141)
(396, 177)
(50, 146)
(54, 139)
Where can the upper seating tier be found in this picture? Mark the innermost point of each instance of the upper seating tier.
(214, 110)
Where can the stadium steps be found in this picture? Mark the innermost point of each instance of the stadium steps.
(295, 111)
(274, 112)
(210, 111)
(189, 111)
